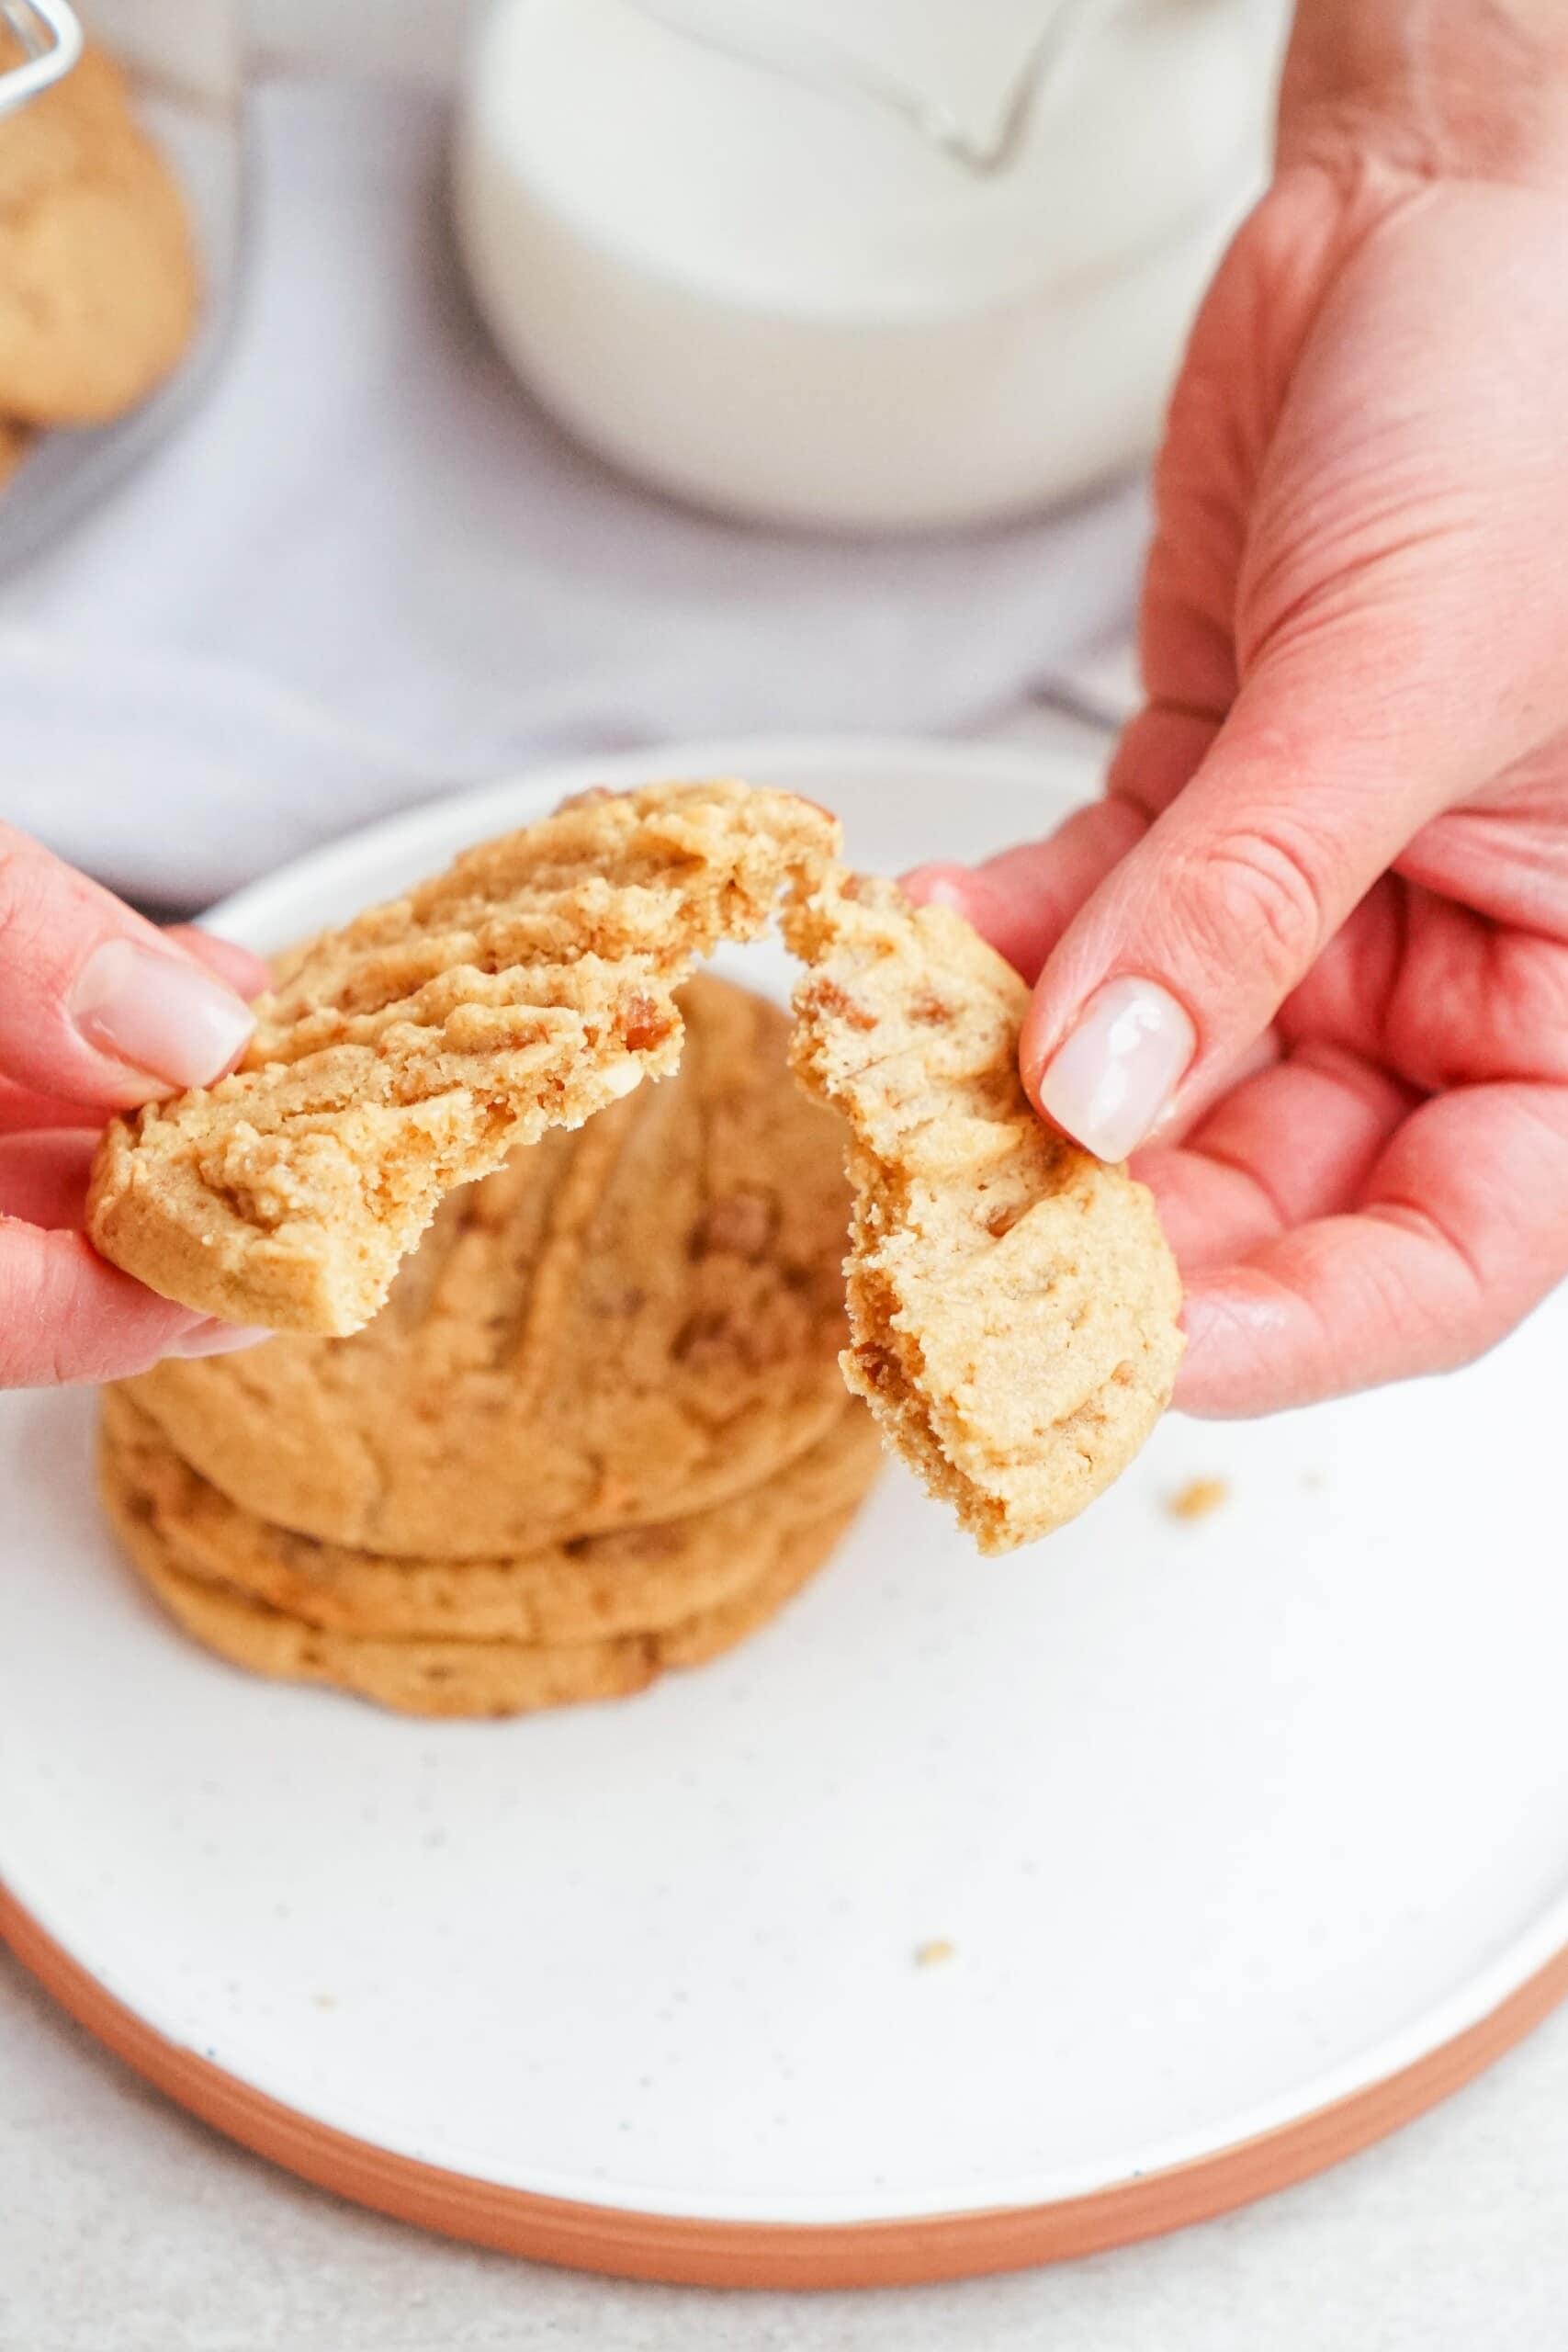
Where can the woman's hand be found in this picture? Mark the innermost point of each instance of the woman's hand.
(1315, 939)
(99, 1010)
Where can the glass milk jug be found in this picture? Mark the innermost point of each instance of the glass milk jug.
(859, 264)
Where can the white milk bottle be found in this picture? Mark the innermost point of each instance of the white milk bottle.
(865, 264)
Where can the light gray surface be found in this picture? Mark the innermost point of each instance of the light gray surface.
(125, 2227)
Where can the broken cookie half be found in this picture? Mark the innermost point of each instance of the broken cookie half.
(411, 1052)
(1013, 1302)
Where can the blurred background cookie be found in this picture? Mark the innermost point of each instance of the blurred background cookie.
(765, 1546)
(588, 1588)
(433, 1677)
(99, 286)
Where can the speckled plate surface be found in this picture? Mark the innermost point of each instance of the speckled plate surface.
(1238, 1840)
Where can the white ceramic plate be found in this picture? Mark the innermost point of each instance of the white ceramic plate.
(1227, 1823)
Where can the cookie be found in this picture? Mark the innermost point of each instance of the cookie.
(99, 285)
(637, 1580)
(525, 989)
(1013, 1304)
(458, 1678)
(629, 1323)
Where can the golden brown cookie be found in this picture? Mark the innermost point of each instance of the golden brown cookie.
(527, 988)
(1013, 1301)
(457, 1677)
(99, 276)
(636, 1580)
(625, 1324)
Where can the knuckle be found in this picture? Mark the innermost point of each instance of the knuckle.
(25, 896)
(1526, 1006)
(1258, 903)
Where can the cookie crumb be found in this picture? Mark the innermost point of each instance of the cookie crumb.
(1199, 1498)
(932, 1953)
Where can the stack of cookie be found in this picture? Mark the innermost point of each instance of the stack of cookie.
(599, 1429)
(98, 277)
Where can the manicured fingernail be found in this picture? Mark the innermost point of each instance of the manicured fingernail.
(934, 886)
(220, 1339)
(1111, 1078)
(158, 1012)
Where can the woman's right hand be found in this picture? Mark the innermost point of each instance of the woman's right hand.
(1308, 958)
(98, 1012)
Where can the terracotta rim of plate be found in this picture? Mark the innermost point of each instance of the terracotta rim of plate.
(743, 2254)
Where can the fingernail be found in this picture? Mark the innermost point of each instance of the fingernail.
(934, 886)
(158, 1012)
(220, 1339)
(1112, 1078)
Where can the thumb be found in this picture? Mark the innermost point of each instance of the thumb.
(96, 1006)
(1300, 799)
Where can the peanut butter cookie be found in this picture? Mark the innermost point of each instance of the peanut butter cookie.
(525, 989)
(592, 1588)
(436, 1677)
(1013, 1304)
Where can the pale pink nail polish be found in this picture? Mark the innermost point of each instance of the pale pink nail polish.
(1111, 1078)
(929, 886)
(158, 1012)
(220, 1339)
